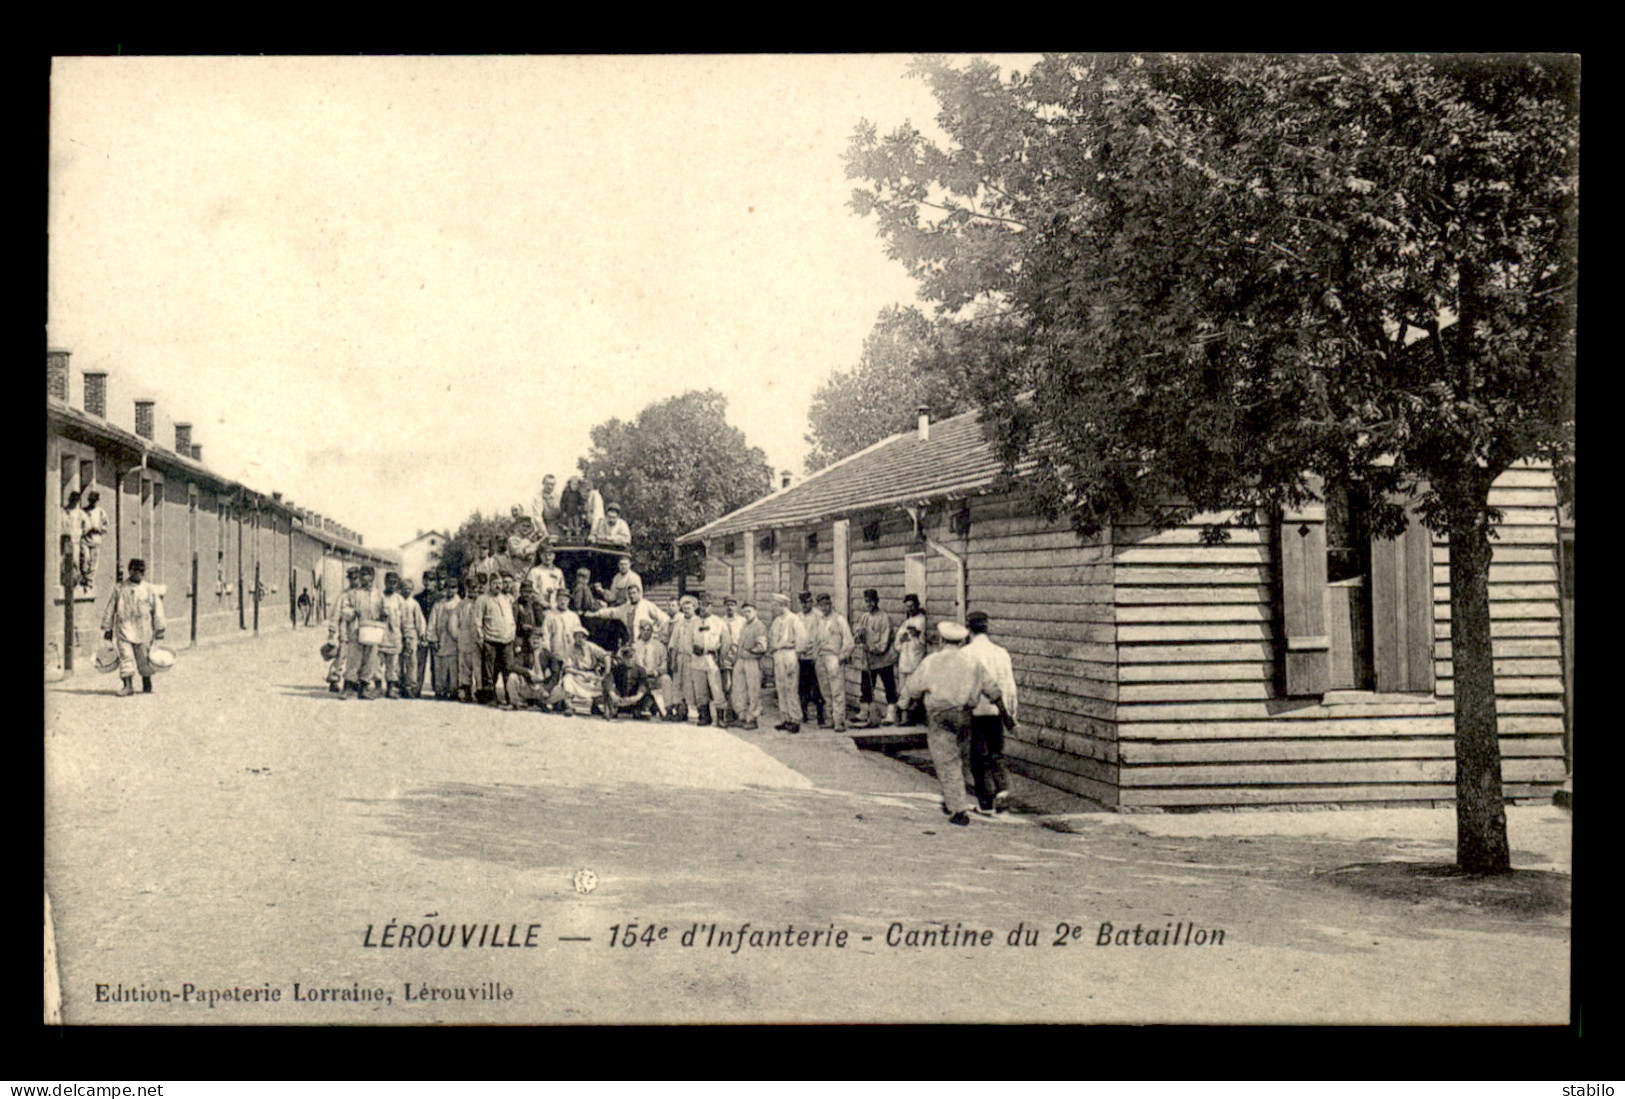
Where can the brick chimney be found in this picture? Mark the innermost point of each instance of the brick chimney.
(56, 373)
(785, 477)
(197, 452)
(96, 393)
(143, 418)
(925, 424)
(183, 439)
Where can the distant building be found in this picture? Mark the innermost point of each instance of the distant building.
(165, 506)
(422, 554)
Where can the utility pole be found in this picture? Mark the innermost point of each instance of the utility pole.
(242, 620)
(68, 579)
(195, 599)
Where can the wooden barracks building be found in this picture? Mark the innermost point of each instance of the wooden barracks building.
(167, 507)
(1299, 663)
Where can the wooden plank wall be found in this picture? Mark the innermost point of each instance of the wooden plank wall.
(1049, 600)
(767, 576)
(725, 572)
(1199, 718)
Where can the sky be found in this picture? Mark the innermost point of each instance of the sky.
(400, 289)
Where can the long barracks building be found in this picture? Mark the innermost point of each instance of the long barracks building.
(253, 552)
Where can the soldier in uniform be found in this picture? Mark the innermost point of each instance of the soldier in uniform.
(340, 636)
(134, 619)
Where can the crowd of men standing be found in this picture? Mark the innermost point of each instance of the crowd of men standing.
(525, 641)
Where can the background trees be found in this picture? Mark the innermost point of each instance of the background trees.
(472, 541)
(1224, 277)
(905, 364)
(676, 467)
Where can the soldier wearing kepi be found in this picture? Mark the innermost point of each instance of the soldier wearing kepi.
(706, 637)
(989, 776)
(750, 646)
(339, 635)
(834, 647)
(361, 606)
(785, 637)
(134, 619)
(394, 617)
(877, 647)
(414, 629)
(807, 654)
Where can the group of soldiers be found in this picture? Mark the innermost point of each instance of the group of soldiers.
(514, 642)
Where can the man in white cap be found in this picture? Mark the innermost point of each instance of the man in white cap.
(786, 636)
(952, 682)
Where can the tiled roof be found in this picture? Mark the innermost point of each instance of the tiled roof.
(955, 460)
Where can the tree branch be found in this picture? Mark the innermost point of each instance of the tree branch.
(973, 213)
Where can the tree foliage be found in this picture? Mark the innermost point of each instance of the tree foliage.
(472, 542)
(678, 466)
(1221, 276)
(906, 364)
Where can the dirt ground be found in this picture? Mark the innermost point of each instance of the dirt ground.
(242, 830)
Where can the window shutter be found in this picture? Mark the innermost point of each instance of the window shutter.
(1402, 608)
(1307, 659)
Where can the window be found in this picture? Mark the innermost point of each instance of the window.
(914, 575)
(1348, 587)
(1356, 611)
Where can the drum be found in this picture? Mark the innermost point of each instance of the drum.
(371, 633)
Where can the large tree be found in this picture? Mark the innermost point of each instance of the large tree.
(904, 366)
(1213, 272)
(676, 467)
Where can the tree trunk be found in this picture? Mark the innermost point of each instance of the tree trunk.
(1481, 822)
